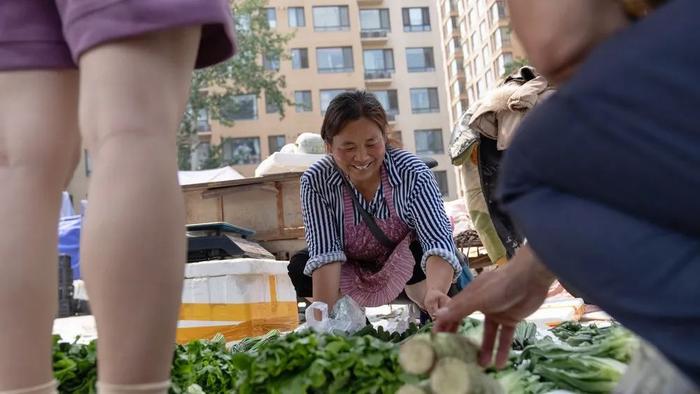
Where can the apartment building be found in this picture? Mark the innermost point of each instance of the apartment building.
(478, 44)
(392, 48)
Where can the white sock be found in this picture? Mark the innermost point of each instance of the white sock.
(146, 388)
(46, 388)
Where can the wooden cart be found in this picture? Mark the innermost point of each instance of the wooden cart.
(270, 205)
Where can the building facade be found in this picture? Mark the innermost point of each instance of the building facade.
(478, 46)
(388, 47)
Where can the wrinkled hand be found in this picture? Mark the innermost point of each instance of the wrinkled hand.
(434, 300)
(505, 297)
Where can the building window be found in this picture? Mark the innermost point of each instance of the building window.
(242, 22)
(483, 32)
(424, 100)
(271, 62)
(498, 11)
(375, 20)
(333, 18)
(420, 59)
(300, 58)
(295, 17)
(334, 60)
(429, 142)
(203, 120)
(88, 163)
(379, 60)
(416, 19)
(302, 100)
(441, 178)
(502, 37)
(244, 107)
(275, 143)
(389, 100)
(270, 106)
(490, 81)
(480, 87)
(271, 17)
(238, 151)
(327, 96)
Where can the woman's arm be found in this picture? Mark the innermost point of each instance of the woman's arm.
(427, 211)
(439, 274)
(558, 35)
(323, 240)
(326, 284)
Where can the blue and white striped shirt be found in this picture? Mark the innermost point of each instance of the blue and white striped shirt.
(416, 195)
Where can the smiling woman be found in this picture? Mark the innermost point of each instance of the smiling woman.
(374, 217)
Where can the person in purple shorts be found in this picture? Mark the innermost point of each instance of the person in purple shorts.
(117, 73)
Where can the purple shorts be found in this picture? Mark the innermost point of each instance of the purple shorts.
(46, 34)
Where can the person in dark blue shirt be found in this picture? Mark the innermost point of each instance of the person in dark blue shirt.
(604, 180)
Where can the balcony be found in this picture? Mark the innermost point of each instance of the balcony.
(378, 77)
(374, 36)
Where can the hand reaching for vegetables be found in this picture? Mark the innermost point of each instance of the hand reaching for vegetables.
(505, 296)
(434, 300)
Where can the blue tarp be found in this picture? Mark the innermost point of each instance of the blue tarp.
(69, 241)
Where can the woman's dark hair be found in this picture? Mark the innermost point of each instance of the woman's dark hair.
(350, 106)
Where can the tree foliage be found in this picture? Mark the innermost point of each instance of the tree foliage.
(213, 88)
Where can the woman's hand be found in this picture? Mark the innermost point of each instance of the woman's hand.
(326, 284)
(438, 273)
(434, 300)
(505, 296)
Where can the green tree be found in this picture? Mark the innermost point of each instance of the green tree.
(514, 66)
(213, 88)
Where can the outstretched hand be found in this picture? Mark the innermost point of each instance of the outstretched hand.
(505, 296)
(434, 300)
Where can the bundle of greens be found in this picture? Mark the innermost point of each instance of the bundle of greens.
(75, 366)
(594, 364)
(303, 362)
(519, 380)
(319, 363)
(394, 337)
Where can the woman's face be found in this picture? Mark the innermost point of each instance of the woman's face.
(359, 149)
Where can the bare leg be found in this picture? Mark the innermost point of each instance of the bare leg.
(132, 96)
(38, 141)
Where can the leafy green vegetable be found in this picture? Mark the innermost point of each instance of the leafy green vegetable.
(588, 360)
(525, 335)
(75, 366)
(519, 380)
(583, 373)
(394, 337)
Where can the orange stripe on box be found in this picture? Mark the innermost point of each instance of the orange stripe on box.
(234, 332)
(238, 312)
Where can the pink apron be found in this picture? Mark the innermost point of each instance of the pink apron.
(374, 275)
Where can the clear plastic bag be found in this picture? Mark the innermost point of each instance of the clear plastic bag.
(347, 316)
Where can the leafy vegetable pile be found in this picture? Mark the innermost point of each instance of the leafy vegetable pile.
(589, 360)
(581, 359)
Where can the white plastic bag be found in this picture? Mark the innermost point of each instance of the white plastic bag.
(347, 316)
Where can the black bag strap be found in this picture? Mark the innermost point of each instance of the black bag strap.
(369, 220)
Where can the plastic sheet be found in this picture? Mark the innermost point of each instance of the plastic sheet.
(347, 316)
